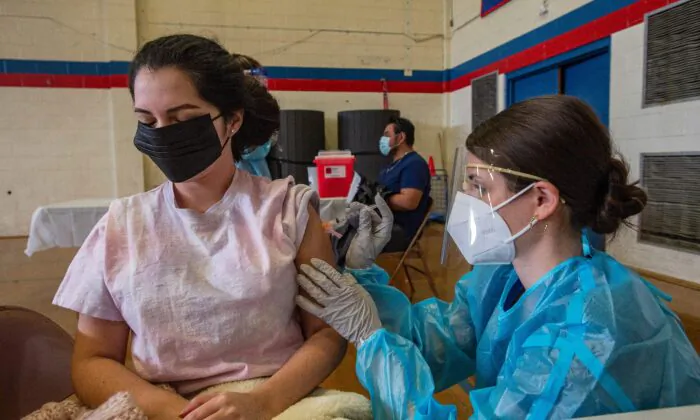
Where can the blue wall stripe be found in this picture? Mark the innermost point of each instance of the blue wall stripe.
(122, 67)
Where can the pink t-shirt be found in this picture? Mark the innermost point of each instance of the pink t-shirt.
(209, 297)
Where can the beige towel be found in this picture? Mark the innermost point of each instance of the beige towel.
(119, 407)
(322, 404)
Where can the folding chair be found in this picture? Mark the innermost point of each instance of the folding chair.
(35, 362)
(414, 250)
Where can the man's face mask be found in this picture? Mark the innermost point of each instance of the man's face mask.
(181, 150)
(385, 146)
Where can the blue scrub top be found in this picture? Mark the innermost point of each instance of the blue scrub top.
(255, 161)
(411, 171)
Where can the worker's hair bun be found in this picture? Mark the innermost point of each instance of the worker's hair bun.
(618, 199)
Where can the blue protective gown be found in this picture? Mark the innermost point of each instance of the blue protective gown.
(254, 160)
(591, 337)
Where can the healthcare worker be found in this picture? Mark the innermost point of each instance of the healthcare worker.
(253, 159)
(551, 327)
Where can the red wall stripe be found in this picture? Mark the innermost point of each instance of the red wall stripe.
(62, 81)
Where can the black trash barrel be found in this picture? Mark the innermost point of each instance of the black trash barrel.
(302, 134)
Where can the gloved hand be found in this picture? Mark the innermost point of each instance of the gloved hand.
(331, 210)
(373, 233)
(340, 301)
(384, 192)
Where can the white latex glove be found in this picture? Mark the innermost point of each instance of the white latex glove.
(340, 301)
(373, 233)
(332, 209)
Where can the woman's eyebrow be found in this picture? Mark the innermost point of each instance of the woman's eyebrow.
(182, 107)
(169, 111)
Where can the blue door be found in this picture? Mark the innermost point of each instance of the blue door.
(544, 82)
(589, 80)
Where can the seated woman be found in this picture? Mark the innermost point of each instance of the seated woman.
(201, 270)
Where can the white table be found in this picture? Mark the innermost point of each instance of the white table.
(690, 412)
(64, 225)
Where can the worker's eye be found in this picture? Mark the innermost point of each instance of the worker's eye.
(474, 189)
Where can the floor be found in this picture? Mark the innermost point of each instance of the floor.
(32, 282)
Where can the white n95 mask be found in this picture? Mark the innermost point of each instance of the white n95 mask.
(481, 234)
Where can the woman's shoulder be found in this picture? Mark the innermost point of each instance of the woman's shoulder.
(282, 200)
(282, 193)
(606, 292)
(135, 207)
(601, 270)
(147, 199)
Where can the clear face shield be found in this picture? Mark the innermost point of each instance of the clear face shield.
(483, 185)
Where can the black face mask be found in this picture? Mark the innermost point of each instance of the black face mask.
(181, 150)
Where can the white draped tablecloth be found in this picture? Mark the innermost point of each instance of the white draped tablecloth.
(64, 225)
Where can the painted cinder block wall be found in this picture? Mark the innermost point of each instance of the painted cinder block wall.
(66, 143)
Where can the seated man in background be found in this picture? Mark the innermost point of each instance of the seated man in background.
(407, 179)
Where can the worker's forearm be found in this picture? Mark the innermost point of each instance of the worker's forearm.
(310, 365)
(96, 379)
(401, 202)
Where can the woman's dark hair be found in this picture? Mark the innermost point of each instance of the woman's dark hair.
(560, 138)
(219, 81)
(245, 62)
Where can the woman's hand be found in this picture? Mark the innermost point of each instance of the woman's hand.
(340, 301)
(169, 413)
(373, 233)
(227, 406)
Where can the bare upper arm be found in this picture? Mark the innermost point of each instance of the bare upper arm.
(316, 244)
(414, 196)
(99, 338)
(410, 199)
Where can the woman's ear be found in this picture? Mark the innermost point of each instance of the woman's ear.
(547, 200)
(399, 138)
(235, 123)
